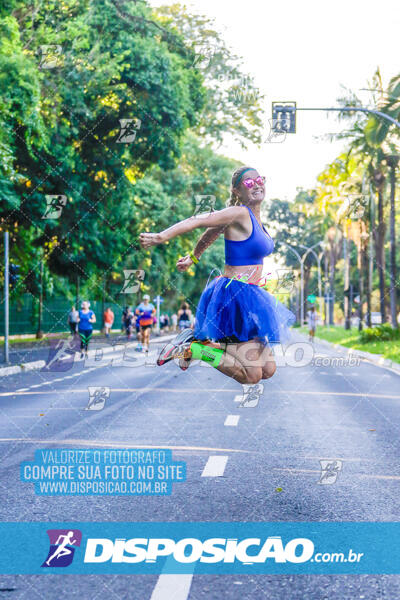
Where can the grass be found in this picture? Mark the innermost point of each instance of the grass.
(349, 339)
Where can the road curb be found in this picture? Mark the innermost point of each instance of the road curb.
(376, 359)
(39, 364)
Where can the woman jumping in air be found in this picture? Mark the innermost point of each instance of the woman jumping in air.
(237, 321)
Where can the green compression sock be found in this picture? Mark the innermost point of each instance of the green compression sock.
(206, 353)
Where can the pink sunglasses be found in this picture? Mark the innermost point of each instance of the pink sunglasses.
(249, 183)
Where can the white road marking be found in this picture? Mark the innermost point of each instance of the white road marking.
(232, 420)
(215, 466)
(56, 380)
(172, 586)
(85, 443)
(305, 393)
(292, 471)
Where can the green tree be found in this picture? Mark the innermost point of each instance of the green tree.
(233, 103)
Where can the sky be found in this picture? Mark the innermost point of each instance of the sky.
(304, 51)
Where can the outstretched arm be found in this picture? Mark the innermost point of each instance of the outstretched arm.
(217, 218)
(205, 240)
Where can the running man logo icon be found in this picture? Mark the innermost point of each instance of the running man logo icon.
(61, 355)
(129, 129)
(285, 281)
(277, 134)
(54, 206)
(132, 281)
(204, 204)
(329, 471)
(251, 395)
(203, 56)
(62, 547)
(356, 205)
(97, 397)
(50, 56)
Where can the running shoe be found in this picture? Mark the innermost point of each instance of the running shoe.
(177, 348)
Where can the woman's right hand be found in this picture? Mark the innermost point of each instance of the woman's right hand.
(184, 263)
(150, 239)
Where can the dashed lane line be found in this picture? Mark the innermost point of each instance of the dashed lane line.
(215, 466)
(232, 420)
(172, 586)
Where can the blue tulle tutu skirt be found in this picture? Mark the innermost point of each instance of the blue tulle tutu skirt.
(239, 312)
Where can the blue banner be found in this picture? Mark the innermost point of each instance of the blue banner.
(201, 548)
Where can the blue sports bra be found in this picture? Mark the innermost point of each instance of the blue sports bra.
(252, 250)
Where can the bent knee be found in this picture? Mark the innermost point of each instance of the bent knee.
(268, 369)
(253, 375)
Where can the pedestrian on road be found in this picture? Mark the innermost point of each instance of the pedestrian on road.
(174, 319)
(164, 322)
(108, 318)
(124, 313)
(145, 314)
(129, 319)
(184, 316)
(237, 321)
(85, 327)
(138, 336)
(73, 318)
(312, 322)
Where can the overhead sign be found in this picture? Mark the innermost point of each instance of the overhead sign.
(284, 117)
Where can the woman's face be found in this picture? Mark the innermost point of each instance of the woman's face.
(254, 195)
(84, 306)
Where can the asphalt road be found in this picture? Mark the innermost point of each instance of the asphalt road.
(348, 414)
(24, 352)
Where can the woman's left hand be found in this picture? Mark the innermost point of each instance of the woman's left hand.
(149, 239)
(184, 263)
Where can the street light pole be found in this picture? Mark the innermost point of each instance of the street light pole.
(301, 281)
(301, 260)
(318, 259)
(311, 249)
(6, 295)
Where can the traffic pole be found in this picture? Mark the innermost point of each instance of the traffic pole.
(6, 292)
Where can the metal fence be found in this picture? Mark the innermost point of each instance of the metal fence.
(24, 315)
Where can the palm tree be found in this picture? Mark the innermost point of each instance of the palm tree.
(380, 140)
(393, 160)
(362, 147)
